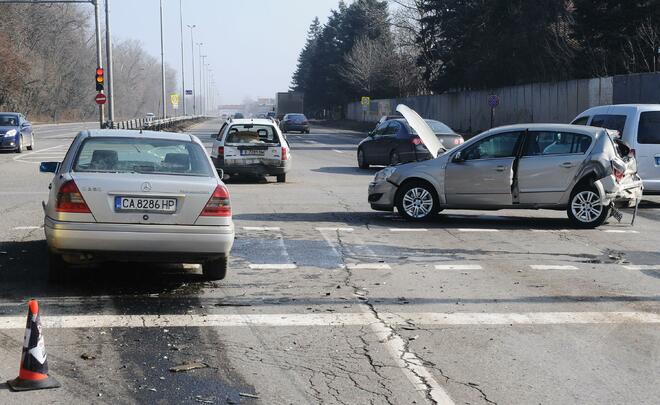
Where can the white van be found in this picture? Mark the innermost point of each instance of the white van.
(639, 125)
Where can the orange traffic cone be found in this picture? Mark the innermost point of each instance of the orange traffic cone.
(33, 373)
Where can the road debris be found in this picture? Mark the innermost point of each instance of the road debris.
(188, 367)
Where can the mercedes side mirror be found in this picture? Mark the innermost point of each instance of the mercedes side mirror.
(49, 167)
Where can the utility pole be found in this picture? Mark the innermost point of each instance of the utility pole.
(183, 73)
(192, 57)
(108, 56)
(162, 62)
(99, 56)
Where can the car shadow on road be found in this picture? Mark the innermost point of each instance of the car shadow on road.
(24, 273)
(347, 170)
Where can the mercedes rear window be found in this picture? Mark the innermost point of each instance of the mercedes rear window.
(649, 127)
(142, 155)
(252, 134)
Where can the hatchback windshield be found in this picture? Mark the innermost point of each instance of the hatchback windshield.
(8, 120)
(251, 134)
(139, 155)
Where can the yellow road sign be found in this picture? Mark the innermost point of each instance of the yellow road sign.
(365, 101)
(174, 99)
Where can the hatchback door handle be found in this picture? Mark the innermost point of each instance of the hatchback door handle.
(567, 164)
(500, 168)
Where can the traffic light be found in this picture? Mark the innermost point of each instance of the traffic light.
(99, 79)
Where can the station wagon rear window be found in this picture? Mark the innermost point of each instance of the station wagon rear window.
(142, 155)
(252, 134)
(609, 121)
(649, 127)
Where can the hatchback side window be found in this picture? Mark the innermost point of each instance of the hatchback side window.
(391, 129)
(581, 121)
(222, 129)
(497, 146)
(649, 127)
(609, 121)
(380, 130)
(543, 143)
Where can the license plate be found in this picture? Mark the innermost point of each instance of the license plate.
(252, 152)
(617, 214)
(657, 160)
(142, 204)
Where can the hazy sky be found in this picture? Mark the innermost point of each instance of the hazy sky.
(252, 45)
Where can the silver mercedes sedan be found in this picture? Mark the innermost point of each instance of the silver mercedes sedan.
(137, 196)
(586, 171)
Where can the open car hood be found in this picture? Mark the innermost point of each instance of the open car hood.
(422, 128)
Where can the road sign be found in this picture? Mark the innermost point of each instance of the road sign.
(365, 101)
(189, 92)
(493, 101)
(174, 99)
(100, 98)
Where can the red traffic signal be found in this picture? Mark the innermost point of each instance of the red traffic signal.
(99, 79)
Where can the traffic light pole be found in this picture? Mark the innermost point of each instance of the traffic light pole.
(99, 53)
(108, 53)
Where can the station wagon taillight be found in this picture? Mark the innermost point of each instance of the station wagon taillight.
(69, 199)
(285, 153)
(221, 152)
(415, 140)
(218, 205)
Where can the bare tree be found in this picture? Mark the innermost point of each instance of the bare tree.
(364, 66)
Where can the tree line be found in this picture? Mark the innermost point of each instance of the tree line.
(48, 59)
(408, 47)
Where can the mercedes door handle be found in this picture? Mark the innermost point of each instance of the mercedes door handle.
(567, 165)
(500, 168)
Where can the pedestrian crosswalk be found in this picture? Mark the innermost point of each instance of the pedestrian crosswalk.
(54, 154)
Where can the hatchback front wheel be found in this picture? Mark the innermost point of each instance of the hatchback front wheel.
(417, 201)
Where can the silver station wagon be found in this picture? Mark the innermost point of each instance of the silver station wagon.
(586, 171)
(137, 196)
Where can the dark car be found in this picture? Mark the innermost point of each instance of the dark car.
(394, 142)
(295, 122)
(238, 116)
(15, 132)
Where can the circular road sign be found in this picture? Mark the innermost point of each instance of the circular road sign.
(493, 101)
(100, 98)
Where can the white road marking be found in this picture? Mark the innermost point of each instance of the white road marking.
(551, 267)
(275, 266)
(21, 157)
(477, 230)
(408, 230)
(368, 266)
(550, 230)
(643, 267)
(261, 228)
(458, 267)
(22, 192)
(338, 151)
(619, 231)
(333, 319)
(324, 229)
(26, 228)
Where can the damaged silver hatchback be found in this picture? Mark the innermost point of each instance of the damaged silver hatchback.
(586, 171)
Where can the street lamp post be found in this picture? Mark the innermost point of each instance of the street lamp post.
(162, 62)
(183, 72)
(192, 56)
(202, 84)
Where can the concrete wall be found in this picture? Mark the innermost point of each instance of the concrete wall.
(468, 111)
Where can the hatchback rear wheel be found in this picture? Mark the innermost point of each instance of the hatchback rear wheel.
(362, 163)
(585, 209)
(215, 269)
(417, 201)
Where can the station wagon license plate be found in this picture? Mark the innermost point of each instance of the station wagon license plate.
(145, 204)
(252, 152)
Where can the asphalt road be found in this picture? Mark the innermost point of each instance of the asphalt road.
(329, 302)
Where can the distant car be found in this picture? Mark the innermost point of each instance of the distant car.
(252, 146)
(295, 122)
(16, 132)
(238, 116)
(137, 196)
(639, 125)
(271, 114)
(395, 141)
(553, 166)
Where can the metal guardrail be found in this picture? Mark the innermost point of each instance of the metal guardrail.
(151, 124)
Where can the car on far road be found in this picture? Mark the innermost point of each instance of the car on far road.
(16, 132)
(238, 115)
(394, 141)
(639, 125)
(553, 166)
(123, 195)
(252, 147)
(295, 122)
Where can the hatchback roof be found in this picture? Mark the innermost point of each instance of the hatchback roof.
(549, 127)
(260, 121)
(134, 133)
